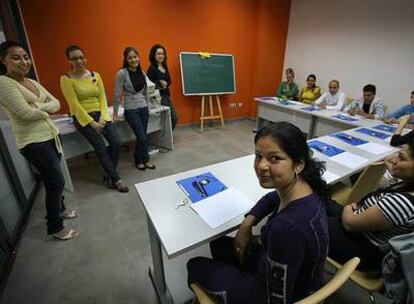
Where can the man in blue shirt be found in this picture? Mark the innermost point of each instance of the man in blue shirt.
(408, 109)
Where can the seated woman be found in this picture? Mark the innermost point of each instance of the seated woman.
(397, 139)
(85, 94)
(311, 92)
(363, 228)
(131, 83)
(288, 89)
(287, 265)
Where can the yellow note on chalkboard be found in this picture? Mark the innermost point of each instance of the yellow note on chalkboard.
(204, 55)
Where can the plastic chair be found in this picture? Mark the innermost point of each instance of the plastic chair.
(370, 281)
(317, 297)
(367, 182)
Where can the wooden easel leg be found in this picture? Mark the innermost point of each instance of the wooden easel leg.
(210, 102)
(202, 112)
(219, 109)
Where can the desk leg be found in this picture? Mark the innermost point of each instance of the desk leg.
(66, 174)
(157, 273)
(167, 139)
(312, 127)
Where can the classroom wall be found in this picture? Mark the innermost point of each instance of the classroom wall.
(248, 29)
(356, 42)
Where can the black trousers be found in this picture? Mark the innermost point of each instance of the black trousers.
(344, 245)
(107, 156)
(46, 159)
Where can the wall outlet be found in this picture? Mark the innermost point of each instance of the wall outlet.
(233, 105)
(240, 104)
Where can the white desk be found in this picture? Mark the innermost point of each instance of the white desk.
(315, 123)
(180, 230)
(75, 144)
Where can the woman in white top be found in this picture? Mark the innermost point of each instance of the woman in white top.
(334, 99)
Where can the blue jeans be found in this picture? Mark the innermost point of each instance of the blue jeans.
(46, 159)
(107, 156)
(138, 121)
(166, 101)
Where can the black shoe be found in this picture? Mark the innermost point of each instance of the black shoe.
(141, 166)
(120, 187)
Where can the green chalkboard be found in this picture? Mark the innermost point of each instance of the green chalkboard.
(207, 76)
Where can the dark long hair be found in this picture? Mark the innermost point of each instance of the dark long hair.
(152, 58)
(4, 49)
(141, 77)
(293, 142)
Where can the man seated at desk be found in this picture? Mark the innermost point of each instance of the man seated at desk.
(334, 99)
(368, 106)
(395, 116)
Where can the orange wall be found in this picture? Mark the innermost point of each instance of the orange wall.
(254, 31)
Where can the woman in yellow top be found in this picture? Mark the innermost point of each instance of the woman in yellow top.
(84, 91)
(311, 92)
(28, 105)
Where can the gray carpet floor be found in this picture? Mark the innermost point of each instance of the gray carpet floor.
(108, 262)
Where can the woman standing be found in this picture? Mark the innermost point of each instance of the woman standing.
(287, 264)
(28, 105)
(131, 83)
(84, 92)
(158, 73)
(311, 92)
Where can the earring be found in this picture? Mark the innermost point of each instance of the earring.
(296, 175)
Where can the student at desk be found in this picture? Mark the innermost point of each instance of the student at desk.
(85, 94)
(364, 228)
(287, 263)
(28, 105)
(334, 99)
(397, 139)
(368, 106)
(311, 91)
(131, 82)
(405, 110)
(288, 89)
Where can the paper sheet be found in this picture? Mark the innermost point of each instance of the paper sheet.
(349, 159)
(329, 177)
(375, 148)
(222, 207)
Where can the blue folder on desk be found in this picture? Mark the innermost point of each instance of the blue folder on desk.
(386, 128)
(285, 102)
(344, 117)
(324, 148)
(311, 109)
(349, 139)
(372, 133)
(201, 186)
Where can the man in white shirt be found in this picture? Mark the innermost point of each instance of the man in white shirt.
(334, 99)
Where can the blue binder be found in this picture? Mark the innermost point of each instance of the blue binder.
(201, 186)
(324, 148)
(349, 139)
(373, 133)
(386, 128)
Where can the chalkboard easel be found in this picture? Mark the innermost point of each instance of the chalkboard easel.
(204, 117)
(207, 75)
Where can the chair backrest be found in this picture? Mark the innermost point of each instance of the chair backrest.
(333, 285)
(201, 296)
(367, 182)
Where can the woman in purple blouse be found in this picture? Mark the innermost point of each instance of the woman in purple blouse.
(284, 264)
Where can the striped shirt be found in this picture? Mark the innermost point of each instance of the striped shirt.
(398, 208)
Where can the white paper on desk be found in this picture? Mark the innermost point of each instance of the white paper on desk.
(375, 148)
(349, 159)
(222, 207)
(328, 176)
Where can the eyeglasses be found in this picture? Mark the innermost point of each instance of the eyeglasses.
(77, 58)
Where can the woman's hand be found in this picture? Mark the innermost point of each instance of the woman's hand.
(404, 120)
(96, 126)
(102, 122)
(163, 84)
(243, 237)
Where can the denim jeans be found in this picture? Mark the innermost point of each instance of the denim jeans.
(46, 159)
(166, 101)
(107, 156)
(138, 121)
